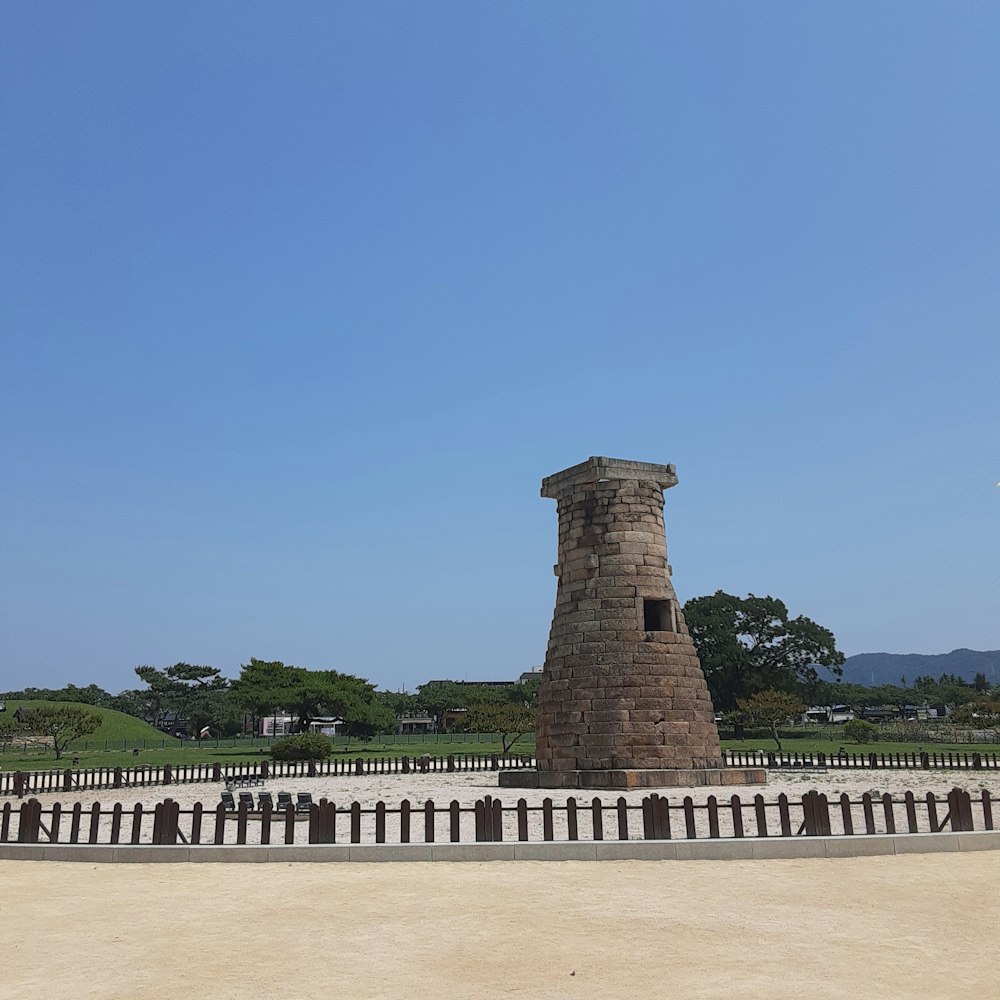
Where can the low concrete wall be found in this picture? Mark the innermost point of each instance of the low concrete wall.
(607, 850)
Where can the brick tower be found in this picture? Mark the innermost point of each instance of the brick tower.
(623, 702)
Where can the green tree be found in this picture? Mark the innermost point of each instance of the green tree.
(438, 697)
(198, 694)
(8, 728)
(62, 723)
(510, 722)
(861, 731)
(768, 710)
(265, 686)
(750, 644)
(370, 719)
(982, 714)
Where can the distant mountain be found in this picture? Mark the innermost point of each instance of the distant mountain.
(873, 669)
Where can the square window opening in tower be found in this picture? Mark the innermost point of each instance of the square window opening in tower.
(658, 615)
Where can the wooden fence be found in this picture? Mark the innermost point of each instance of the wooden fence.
(21, 783)
(489, 820)
(919, 760)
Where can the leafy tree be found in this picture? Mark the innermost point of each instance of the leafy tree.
(948, 690)
(982, 714)
(198, 694)
(265, 686)
(371, 719)
(509, 721)
(525, 692)
(747, 645)
(60, 723)
(89, 695)
(8, 728)
(398, 702)
(767, 710)
(438, 697)
(132, 702)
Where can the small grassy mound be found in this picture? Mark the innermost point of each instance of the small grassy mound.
(115, 726)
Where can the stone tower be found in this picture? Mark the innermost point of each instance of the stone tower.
(623, 702)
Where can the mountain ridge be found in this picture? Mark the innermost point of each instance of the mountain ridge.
(873, 669)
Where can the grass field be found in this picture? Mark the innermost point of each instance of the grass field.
(236, 751)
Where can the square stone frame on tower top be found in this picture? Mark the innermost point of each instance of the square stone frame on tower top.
(623, 702)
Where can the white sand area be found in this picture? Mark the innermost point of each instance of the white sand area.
(919, 927)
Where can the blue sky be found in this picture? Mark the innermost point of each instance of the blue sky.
(301, 301)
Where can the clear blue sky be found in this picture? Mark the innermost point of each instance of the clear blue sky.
(301, 301)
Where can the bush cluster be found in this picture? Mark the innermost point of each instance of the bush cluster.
(861, 731)
(302, 746)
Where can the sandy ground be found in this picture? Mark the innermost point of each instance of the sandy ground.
(914, 927)
(466, 788)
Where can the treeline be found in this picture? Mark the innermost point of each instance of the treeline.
(747, 646)
(192, 698)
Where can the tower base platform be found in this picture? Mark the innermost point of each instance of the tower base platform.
(625, 778)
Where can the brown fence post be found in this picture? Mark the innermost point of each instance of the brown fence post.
(572, 829)
(68, 780)
(406, 765)
(404, 821)
(522, 819)
(451, 762)
(19, 781)
(713, 817)
(118, 777)
(429, 821)
(648, 828)
(265, 769)
(961, 810)
(29, 821)
(216, 772)
(167, 773)
(480, 811)
(621, 807)
(760, 812)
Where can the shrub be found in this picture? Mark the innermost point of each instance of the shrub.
(302, 746)
(861, 731)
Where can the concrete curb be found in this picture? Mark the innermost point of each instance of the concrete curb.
(747, 848)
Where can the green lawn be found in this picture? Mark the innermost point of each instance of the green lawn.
(116, 730)
(115, 742)
(830, 747)
(231, 751)
(236, 751)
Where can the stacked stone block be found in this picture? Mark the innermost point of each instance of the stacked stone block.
(623, 701)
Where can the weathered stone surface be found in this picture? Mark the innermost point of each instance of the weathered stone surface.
(623, 702)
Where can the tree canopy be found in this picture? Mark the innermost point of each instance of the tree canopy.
(749, 644)
(61, 723)
(768, 710)
(197, 694)
(267, 685)
(509, 721)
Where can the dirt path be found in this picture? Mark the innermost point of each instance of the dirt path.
(909, 927)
